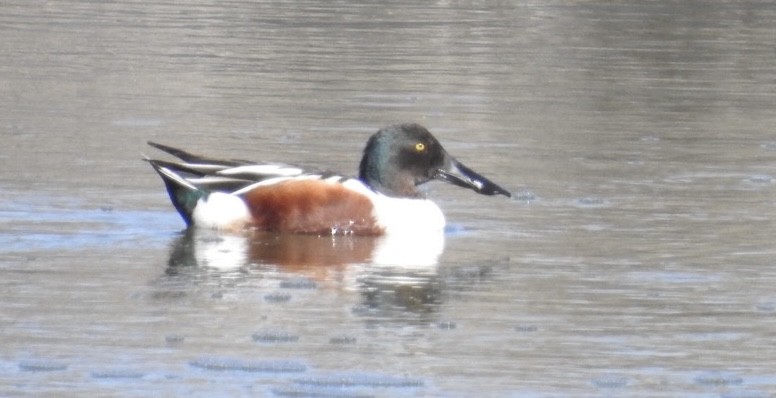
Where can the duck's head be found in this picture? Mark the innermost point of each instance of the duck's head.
(400, 157)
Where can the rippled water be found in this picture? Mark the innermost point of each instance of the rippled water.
(636, 258)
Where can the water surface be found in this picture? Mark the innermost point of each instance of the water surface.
(634, 260)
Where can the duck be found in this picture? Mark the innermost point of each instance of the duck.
(385, 198)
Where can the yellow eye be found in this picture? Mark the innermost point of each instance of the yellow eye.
(420, 147)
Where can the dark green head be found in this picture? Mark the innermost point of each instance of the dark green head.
(400, 157)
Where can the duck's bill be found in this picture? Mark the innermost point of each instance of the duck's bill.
(457, 174)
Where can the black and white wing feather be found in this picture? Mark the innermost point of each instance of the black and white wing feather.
(231, 176)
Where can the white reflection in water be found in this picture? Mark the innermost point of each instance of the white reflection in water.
(230, 251)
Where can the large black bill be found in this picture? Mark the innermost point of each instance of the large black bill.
(458, 174)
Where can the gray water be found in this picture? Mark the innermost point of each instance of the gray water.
(635, 260)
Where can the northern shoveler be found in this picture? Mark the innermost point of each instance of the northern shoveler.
(235, 194)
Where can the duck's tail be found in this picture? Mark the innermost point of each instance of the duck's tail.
(183, 194)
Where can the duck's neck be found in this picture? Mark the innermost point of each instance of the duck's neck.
(385, 181)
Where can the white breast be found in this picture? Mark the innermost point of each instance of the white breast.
(403, 215)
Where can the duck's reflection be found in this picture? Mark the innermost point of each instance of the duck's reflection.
(297, 252)
(391, 276)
